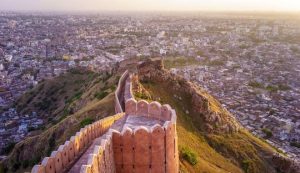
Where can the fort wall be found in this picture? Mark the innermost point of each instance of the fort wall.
(102, 158)
(61, 159)
(152, 149)
(152, 109)
(123, 92)
(141, 149)
(146, 149)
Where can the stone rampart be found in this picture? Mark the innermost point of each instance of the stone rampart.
(123, 92)
(102, 158)
(141, 149)
(128, 94)
(152, 109)
(61, 159)
(119, 92)
(146, 149)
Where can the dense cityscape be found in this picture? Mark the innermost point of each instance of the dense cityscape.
(250, 63)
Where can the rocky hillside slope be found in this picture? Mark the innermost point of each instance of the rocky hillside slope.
(210, 138)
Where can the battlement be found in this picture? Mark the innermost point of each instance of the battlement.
(65, 156)
(141, 137)
(144, 149)
(153, 110)
(119, 91)
(123, 92)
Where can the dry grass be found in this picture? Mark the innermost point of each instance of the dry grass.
(189, 137)
(30, 151)
(236, 153)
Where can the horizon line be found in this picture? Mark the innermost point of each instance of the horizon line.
(152, 11)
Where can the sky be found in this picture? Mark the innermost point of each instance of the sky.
(150, 5)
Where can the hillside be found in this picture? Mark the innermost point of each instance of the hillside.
(67, 103)
(56, 98)
(210, 139)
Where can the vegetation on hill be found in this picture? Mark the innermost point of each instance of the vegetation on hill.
(55, 99)
(75, 104)
(181, 62)
(270, 88)
(72, 102)
(177, 62)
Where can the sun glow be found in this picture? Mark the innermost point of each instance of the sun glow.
(153, 5)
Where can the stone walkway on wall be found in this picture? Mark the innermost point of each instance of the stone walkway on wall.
(136, 121)
(83, 160)
(127, 121)
(127, 92)
(118, 125)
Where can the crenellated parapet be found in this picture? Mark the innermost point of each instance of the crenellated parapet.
(101, 159)
(145, 149)
(139, 148)
(65, 156)
(153, 109)
(123, 91)
(119, 92)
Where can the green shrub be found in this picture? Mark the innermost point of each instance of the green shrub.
(267, 132)
(85, 122)
(295, 144)
(272, 112)
(101, 95)
(216, 63)
(246, 165)
(141, 96)
(76, 96)
(113, 88)
(188, 155)
(255, 84)
(272, 88)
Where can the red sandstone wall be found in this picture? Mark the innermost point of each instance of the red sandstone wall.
(153, 109)
(121, 84)
(124, 82)
(66, 154)
(146, 150)
(143, 150)
(102, 159)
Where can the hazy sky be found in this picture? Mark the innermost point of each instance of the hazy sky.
(150, 5)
